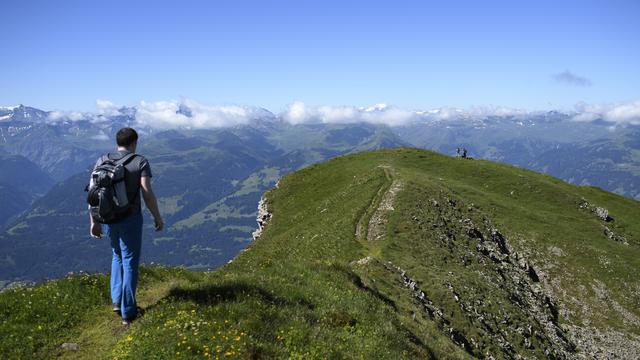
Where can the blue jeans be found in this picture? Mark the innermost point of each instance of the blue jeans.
(126, 240)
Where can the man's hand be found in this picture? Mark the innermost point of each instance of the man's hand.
(159, 224)
(151, 201)
(96, 230)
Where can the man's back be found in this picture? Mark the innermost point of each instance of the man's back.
(136, 167)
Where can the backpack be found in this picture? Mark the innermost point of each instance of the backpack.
(107, 191)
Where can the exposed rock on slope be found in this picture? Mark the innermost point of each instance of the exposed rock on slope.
(262, 218)
(467, 233)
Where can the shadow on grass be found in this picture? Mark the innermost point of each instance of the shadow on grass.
(215, 294)
(357, 281)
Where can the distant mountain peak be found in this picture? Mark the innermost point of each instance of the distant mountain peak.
(22, 113)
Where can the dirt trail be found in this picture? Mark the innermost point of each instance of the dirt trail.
(372, 224)
(378, 222)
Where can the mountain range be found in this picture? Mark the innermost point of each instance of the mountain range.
(209, 180)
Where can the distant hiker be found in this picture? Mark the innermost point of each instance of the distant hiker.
(457, 152)
(114, 200)
(464, 153)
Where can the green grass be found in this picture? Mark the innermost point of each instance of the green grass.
(17, 228)
(37, 320)
(253, 183)
(298, 293)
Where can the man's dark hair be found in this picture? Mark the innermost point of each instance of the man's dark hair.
(126, 136)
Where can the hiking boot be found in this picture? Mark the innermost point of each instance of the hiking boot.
(116, 309)
(128, 321)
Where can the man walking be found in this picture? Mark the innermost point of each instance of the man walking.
(125, 233)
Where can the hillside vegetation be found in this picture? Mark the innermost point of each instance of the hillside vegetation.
(208, 183)
(380, 255)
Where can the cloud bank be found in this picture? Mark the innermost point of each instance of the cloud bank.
(169, 114)
(187, 113)
(191, 114)
(105, 108)
(567, 77)
(618, 113)
(299, 113)
(55, 116)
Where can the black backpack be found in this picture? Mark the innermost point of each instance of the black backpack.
(107, 193)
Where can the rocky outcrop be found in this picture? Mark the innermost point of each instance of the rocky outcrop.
(500, 304)
(264, 215)
(600, 212)
(433, 311)
(603, 214)
(610, 234)
(262, 218)
(470, 237)
(607, 344)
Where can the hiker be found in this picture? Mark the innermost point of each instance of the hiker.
(116, 203)
(464, 153)
(457, 152)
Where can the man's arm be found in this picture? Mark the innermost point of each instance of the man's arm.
(151, 201)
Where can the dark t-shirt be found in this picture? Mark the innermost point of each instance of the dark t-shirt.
(136, 168)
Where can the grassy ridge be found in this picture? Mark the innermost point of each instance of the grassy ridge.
(300, 292)
(540, 213)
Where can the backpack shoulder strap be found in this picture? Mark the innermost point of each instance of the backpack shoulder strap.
(125, 159)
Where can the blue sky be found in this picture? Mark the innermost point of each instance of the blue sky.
(413, 54)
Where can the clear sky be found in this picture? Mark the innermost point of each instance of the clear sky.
(414, 54)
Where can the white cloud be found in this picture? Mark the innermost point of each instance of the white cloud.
(299, 113)
(442, 114)
(108, 108)
(619, 113)
(625, 113)
(55, 116)
(586, 117)
(168, 114)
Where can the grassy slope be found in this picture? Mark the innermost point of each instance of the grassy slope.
(297, 293)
